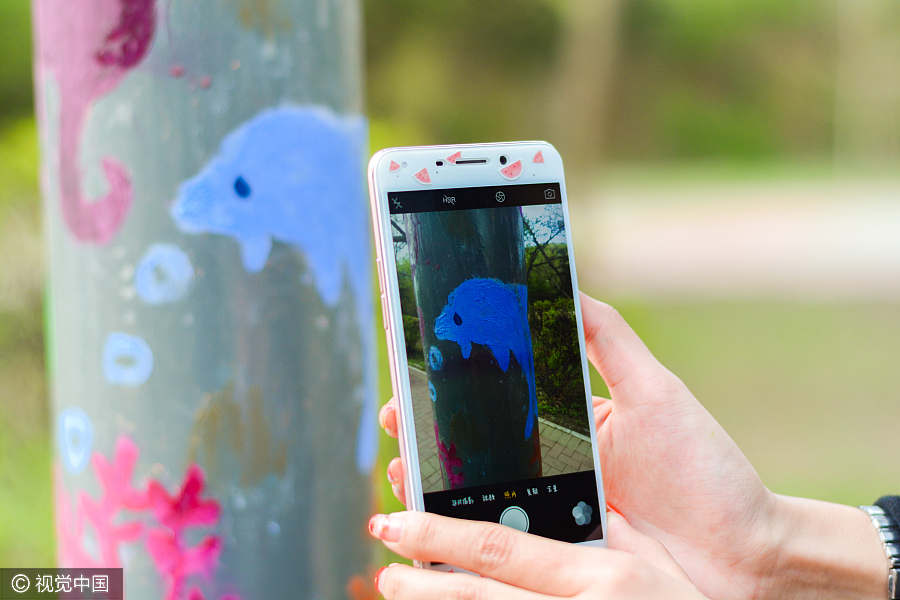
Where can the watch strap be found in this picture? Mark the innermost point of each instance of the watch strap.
(889, 532)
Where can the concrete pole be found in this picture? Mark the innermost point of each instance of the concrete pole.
(210, 323)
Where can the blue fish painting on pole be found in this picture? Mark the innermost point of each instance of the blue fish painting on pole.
(293, 174)
(493, 314)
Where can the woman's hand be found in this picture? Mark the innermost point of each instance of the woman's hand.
(668, 466)
(678, 477)
(517, 565)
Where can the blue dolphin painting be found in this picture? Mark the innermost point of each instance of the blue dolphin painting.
(294, 174)
(494, 314)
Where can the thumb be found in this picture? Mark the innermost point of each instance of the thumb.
(615, 350)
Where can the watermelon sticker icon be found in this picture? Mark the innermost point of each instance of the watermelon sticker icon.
(512, 171)
(454, 157)
(393, 166)
(423, 176)
(539, 157)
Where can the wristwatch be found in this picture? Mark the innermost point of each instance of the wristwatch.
(889, 531)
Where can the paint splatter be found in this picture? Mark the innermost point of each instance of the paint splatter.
(291, 174)
(126, 44)
(432, 392)
(127, 360)
(75, 436)
(163, 275)
(223, 426)
(88, 62)
(449, 459)
(494, 314)
(435, 358)
(107, 518)
(177, 71)
(125, 514)
(174, 558)
(513, 170)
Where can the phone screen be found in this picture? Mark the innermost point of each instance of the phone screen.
(499, 392)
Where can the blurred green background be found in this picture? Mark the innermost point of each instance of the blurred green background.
(733, 181)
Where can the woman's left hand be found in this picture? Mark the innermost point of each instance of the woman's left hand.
(516, 565)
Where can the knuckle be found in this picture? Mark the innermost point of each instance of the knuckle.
(493, 549)
(424, 531)
(620, 575)
(596, 328)
(466, 590)
(388, 585)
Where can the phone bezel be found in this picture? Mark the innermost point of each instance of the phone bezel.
(383, 181)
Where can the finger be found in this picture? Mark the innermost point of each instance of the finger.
(387, 417)
(614, 348)
(396, 477)
(402, 582)
(488, 549)
(622, 536)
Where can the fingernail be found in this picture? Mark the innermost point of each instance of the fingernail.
(385, 527)
(395, 488)
(391, 477)
(377, 575)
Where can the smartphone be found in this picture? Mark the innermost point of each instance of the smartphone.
(479, 297)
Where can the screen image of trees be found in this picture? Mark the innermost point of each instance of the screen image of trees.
(551, 315)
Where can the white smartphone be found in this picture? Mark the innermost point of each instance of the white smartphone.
(480, 303)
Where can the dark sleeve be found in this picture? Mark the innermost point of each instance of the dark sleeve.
(890, 505)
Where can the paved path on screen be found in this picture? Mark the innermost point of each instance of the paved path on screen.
(561, 450)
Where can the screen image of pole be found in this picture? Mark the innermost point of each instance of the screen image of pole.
(492, 345)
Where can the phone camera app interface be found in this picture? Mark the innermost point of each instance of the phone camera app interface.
(498, 391)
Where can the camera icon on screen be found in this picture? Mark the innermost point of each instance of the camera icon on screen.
(549, 194)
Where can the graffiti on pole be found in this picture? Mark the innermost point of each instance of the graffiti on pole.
(101, 47)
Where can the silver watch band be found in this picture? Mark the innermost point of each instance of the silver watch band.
(889, 531)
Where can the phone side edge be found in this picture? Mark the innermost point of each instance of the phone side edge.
(414, 498)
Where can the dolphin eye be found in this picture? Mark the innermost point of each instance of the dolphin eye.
(241, 187)
(457, 319)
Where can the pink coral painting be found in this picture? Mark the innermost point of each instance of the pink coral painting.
(88, 53)
(150, 516)
(450, 460)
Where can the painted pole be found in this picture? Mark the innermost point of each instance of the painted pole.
(469, 279)
(210, 323)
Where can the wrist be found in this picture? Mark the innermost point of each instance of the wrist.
(822, 550)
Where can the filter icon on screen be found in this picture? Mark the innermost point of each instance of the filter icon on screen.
(582, 513)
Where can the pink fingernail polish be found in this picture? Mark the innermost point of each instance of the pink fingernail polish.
(385, 527)
(377, 575)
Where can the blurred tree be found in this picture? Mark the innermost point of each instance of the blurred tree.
(867, 109)
(15, 68)
(580, 92)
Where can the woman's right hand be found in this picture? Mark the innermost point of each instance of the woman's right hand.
(677, 476)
